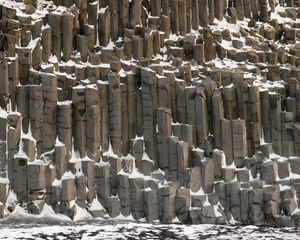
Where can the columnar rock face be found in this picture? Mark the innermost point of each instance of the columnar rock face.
(156, 109)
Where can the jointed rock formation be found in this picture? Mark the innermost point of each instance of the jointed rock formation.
(154, 108)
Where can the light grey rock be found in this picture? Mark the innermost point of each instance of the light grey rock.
(113, 207)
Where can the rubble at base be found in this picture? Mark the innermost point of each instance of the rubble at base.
(159, 110)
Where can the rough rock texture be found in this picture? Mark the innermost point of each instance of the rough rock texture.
(156, 109)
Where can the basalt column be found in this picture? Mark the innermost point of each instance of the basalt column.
(64, 125)
(104, 114)
(93, 123)
(125, 117)
(149, 105)
(23, 105)
(203, 12)
(182, 17)
(54, 21)
(217, 115)
(254, 119)
(195, 14)
(132, 105)
(49, 86)
(47, 43)
(25, 63)
(114, 20)
(201, 119)
(4, 90)
(79, 119)
(275, 109)
(104, 27)
(165, 7)
(123, 15)
(115, 112)
(174, 16)
(135, 13)
(265, 115)
(92, 10)
(164, 121)
(67, 36)
(36, 106)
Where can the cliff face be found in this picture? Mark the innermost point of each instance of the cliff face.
(159, 109)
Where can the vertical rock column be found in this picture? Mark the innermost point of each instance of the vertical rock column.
(247, 8)
(217, 115)
(64, 125)
(275, 109)
(195, 14)
(135, 13)
(104, 17)
(3, 144)
(254, 8)
(230, 102)
(114, 20)
(164, 92)
(47, 43)
(36, 107)
(254, 119)
(164, 121)
(182, 17)
(49, 87)
(155, 8)
(264, 8)
(115, 112)
(165, 7)
(288, 143)
(220, 6)
(67, 35)
(189, 15)
(132, 108)
(265, 115)
(148, 46)
(239, 142)
(149, 105)
(54, 21)
(104, 114)
(123, 15)
(201, 119)
(13, 77)
(239, 5)
(13, 139)
(211, 14)
(181, 100)
(203, 12)
(226, 136)
(79, 119)
(92, 10)
(137, 47)
(23, 105)
(93, 123)
(25, 63)
(174, 17)
(4, 83)
(165, 25)
(125, 118)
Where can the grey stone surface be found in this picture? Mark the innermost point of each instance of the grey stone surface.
(123, 103)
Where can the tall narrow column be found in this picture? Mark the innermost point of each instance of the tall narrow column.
(149, 105)
(49, 86)
(64, 125)
(67, 36)
(79, 119)
(115, 112)
(54, 21)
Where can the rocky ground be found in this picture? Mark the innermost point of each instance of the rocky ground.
(120, 230)
(169, 110)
